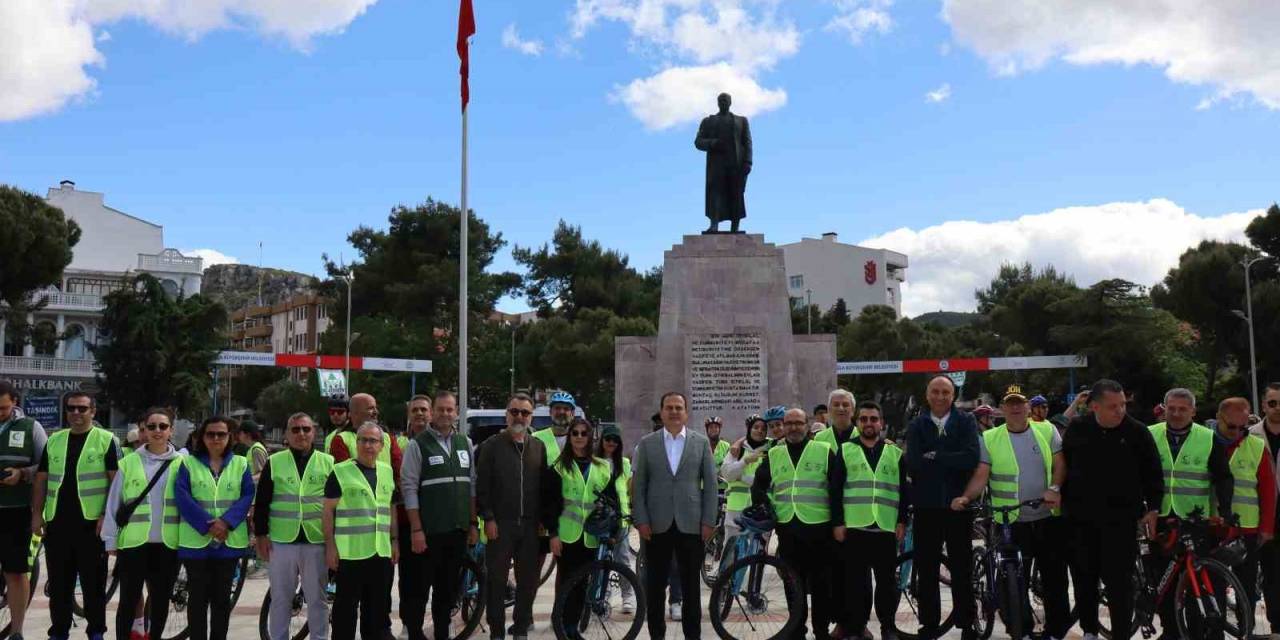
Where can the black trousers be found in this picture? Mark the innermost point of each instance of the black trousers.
(866, 554)
(435, 570)
(361, 594)
(1106, 552)
(1045, 542)
(209, 590)
(687, 550)
(932, 529)
(155, 566)
(808, 549)
(573, 556)
(1268, 558)
(73, 550)
(517, 544)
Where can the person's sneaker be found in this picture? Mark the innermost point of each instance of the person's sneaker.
(677, 613)
(628, 603)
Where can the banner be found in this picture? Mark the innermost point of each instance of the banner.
(45, 409)
(332, 382)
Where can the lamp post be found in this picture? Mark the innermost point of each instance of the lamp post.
(808, 307)
(513, 358)
(349, 279)
(1247, 316)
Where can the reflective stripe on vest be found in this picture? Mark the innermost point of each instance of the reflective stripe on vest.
(1186, 480)
(444, 487)
(1003, 482)
(738, 495)
(297, 503)
(91, 472)
(1244, 471)
(349, 439)
(801, 492)
(137, 531)
(580, 499)
(215, 497)
(871, 495)
(721, 450)
(362, 520)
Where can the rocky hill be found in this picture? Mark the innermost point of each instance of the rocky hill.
(236, 285)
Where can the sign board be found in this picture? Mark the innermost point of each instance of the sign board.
(317, 361)
(246, 358)
(950, 365)
(45, 409)
(332, 382)
(726, 372)
(957, 378)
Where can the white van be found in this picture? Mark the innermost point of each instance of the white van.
(482, 423)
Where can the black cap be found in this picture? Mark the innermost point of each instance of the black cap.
(339, 400)
(250, 427)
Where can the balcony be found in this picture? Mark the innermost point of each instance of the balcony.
(260, 331)
(170, 260)
(46, 366)
(59, 301)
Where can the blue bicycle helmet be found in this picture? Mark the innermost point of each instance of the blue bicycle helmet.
(1037, 401)
(758, 518)
(775, 413)
(562, 397)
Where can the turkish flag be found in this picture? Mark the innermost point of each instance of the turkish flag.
(466, 29)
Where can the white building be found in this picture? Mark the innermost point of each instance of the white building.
(822, 270)
(113, 245)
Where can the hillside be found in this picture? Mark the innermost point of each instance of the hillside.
(948, 319)
(236, 285)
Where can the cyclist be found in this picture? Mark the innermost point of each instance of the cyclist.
(22, 442)
(745, 456)
(287, 523)
(1019, 461)
(773, 417)
(71, 496)
(147, 546)
(841, 403)
(611, 450)
(719, 447)
(985, 417)
(339, 417)
(580, 479)
(804, 482)
(1253, 500)
(873, 521)
(562, 407)
(1268, 555)
(1039, 409)
(820, 414)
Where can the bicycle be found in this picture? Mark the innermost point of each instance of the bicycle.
(598, 582)
(714, 548)
(750, 594)
(1208, 599)
(299, 628)
(998, 582)
(908, 583)
(33, 577)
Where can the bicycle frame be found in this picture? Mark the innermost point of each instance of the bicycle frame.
(746, 545)
(1183, 562)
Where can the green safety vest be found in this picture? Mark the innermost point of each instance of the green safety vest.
(871, 495)
(1244, 471)
(362, 522)
(402, 441)
(1003, 481)
(738, 496)
(721, 450)
(17, 450)
(248, 455)
(828, 436)
(548, 438)
(91, 471)
(349, 439)
(444, 484)
(801, 492)
(137, 531)
(580, 498)
(297, 503)
(215, 497)
(624, 481)
(1186, 480)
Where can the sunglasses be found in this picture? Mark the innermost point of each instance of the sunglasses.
(580, 434)
(156, 426)
(520, 412)
(79, 408)
(217, 435)
(299, 429)
(370, 441)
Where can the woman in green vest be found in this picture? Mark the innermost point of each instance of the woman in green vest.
(146, 548)
(214, 491)
(739, 470)
(611, 450)
(579, 479)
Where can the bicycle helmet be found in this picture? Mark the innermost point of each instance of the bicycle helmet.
(1230, 553)
(562, 397)
(715, 419)
(775, 413)
(603, 521)
(757, 518)
(1039, 401)
(752, 418)
(982, 411)
(339, 401)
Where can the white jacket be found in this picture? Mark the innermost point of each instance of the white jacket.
(150, 463)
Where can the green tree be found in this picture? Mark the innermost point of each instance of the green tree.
(1018, 305)
(36, 247)
(157, 350)
(1264, 232)
(836, 317)
(282, 398)
(250, 381)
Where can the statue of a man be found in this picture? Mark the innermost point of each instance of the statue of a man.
(727, 140)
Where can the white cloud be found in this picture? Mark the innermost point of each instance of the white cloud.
(47, 46)
(210, 256)
(511, 39)
(941, 94)
(1137, 241)
(681, 94)
(857, 18)
(1227, 46)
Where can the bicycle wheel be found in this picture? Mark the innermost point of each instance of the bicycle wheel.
(548, 568)
(175, 627)
(298, 628)
(468, 607)
(714, 549)
(1012, 600)
(757, 597)
(907, 620)
(1222, 606)
(237, 580)
(984, 609)
(601, 615)
(33, 576)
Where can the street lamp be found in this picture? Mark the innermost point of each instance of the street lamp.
(808, 307)
(1247, 316)
(349, 279)
(513, 358)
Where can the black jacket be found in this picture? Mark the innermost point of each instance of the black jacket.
(937, 480)
(1113, 475)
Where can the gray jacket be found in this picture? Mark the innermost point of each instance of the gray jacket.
(688, 497)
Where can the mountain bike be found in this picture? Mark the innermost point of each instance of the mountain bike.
(907, 626)
(299, 628)
(33, 577)
(998, 583)
(597, 583)
(757, 595)
(711, 559)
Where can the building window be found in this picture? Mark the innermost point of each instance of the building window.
(75, 347)
(92, 286)
(44, 338)
(797, 282)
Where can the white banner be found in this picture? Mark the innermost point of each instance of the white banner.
(854, 368)
(332, 382)
(246, 358)
(1039, 362)
(396, 364)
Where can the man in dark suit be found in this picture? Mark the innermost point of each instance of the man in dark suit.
(727, 140)
(674, 507)
(942, 453)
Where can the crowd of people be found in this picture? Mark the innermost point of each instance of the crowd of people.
(361, 502)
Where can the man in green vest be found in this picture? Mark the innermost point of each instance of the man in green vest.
(1020, 461)
(1253, 500)
(70, 495)
(804, 482)
(719, 447)
(562, 407)
(288, 523)
(22, 442)
(840, 410)
(360, 537)
(250, 435)
(437, 480)
(339, 418)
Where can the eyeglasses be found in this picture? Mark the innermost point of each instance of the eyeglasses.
(1273, 403)
(299, 429)
(79, 408)
(794, 423)
(370, 441)
(520, 412)
(579, 434)
(156, 426)
(217, 435)
(420, 410)
(871, 419)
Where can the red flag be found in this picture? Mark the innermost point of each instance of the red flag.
(466, 29)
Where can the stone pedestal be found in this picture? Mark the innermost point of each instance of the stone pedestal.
(724, 340)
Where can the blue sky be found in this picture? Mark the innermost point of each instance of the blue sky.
(1104, 136)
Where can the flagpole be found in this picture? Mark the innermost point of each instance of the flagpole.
(462, 288)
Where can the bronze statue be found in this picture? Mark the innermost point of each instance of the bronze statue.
(727, 140)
